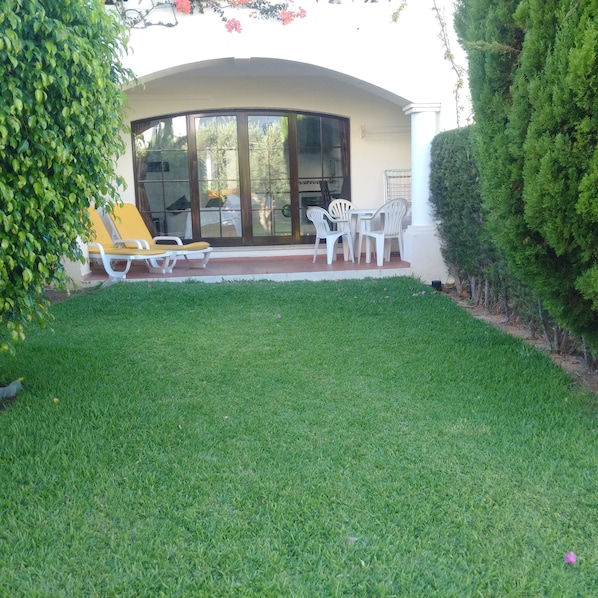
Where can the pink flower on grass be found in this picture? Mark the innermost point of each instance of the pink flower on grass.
(233, 25)
(570, 558)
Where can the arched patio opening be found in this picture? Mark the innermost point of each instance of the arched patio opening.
(234, 150)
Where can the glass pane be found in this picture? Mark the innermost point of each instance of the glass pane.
(151, 168)
(332, 162)
(177, 213)
(218, 176)
(309, 132)
(162, 174)
(220, 211)
(175, 165)
(335, 185)
(322, 157)
(165, 133)
(269, 170)
(331, 128)
(281, 215)
(309, 165)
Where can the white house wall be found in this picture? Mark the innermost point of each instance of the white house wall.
(358, 39)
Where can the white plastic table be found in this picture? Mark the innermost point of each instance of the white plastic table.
(355, 215)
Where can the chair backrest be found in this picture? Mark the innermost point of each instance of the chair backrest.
(393, 211)
(325, 190)
(129, 223)
(338, 208)
(99, 232)
(320, 217)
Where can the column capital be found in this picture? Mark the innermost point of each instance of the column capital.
(415, 108)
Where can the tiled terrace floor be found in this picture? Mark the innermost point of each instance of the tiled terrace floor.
(294, 267)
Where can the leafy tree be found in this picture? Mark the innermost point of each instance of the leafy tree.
(534, 102)
(61, 119)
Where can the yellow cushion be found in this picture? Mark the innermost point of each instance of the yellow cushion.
(99, 233)
(197, 246)
(129, 223)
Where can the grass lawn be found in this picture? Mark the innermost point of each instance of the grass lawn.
(354, 438)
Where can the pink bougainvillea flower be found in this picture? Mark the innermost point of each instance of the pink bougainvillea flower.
(286, 16)
(183, 6)
(233, 25)
(570, 558)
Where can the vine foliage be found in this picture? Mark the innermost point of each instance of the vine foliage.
(61, 124)
(141, 14)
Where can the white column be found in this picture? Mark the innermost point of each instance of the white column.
(422, 245)
(424, 127)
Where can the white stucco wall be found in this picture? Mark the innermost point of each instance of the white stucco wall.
(355, 38)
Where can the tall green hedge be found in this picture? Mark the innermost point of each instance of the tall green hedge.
(558, 80)
(533, 78)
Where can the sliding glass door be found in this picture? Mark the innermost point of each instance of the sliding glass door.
(239, 178)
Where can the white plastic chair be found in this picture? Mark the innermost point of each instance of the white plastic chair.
(389, 217)
(321, 218)
(339, 210)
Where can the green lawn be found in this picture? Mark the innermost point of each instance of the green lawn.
(354, 438)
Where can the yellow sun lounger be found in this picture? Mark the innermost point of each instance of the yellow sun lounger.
(130, 225)
(104, 249)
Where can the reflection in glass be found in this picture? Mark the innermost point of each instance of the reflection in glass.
(218, 176)
(269, 170)
(322, 158)
(162, 175)
(242, 165)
